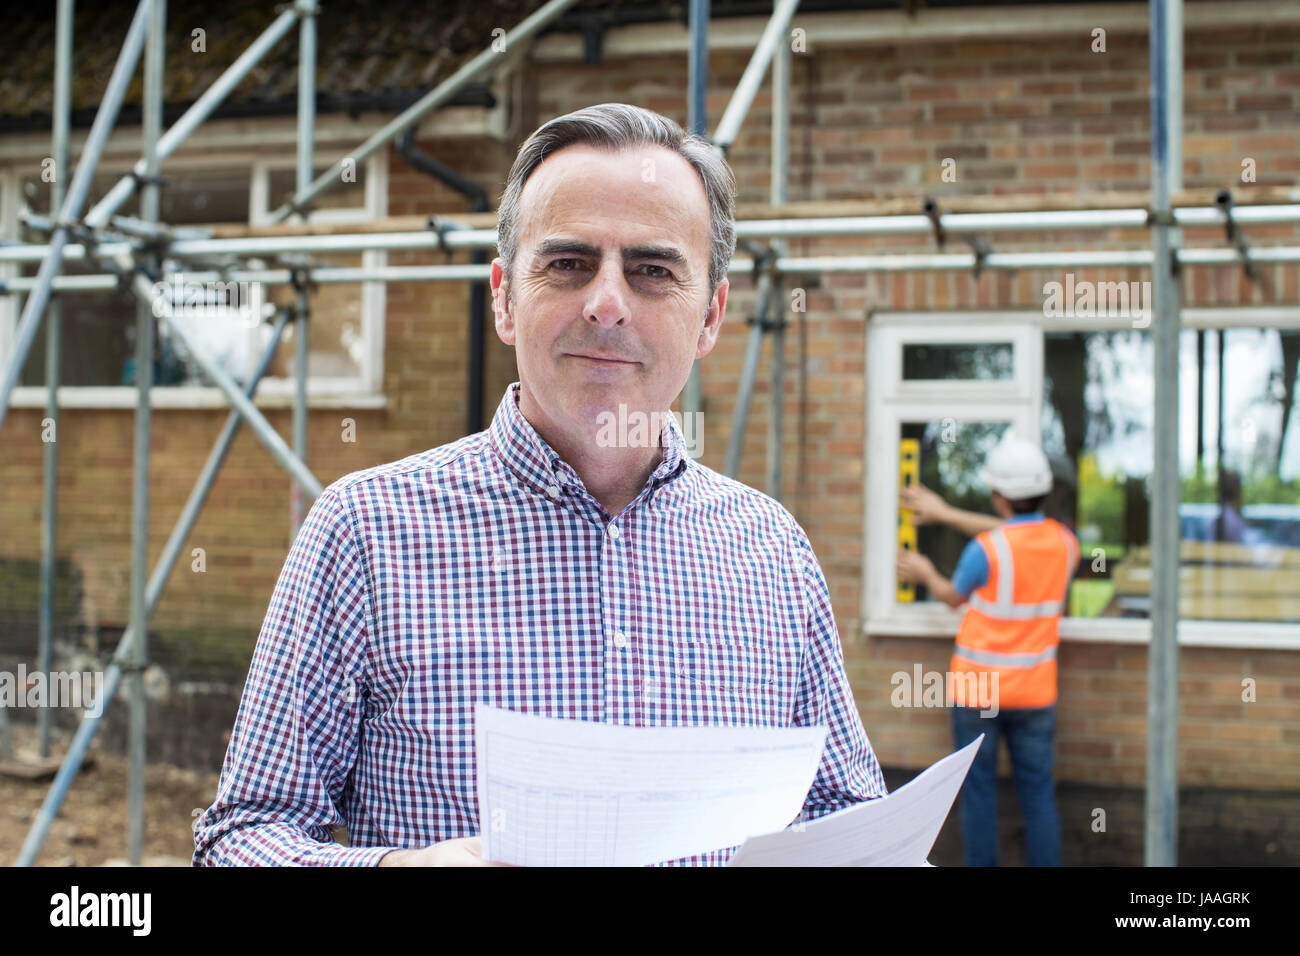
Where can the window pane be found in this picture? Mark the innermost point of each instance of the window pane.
(349, 193)
(335, 349)
(985, 361)
(36, 194)
(1239, 460)
(99, 329)
(950, 460)
(97, 335)
(195, 196)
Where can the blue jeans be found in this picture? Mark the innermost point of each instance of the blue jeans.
(1030, 733)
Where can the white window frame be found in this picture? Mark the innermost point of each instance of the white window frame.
(373, 294)
(891, 401)
(362, 391)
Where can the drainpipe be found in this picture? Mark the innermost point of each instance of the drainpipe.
(477, 196)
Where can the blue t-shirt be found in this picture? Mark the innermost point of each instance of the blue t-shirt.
(973, 566)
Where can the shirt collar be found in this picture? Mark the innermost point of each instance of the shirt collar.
(540, 467)
(1029, 516)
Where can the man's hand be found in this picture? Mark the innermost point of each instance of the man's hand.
(466, 851)
(919, 569)
(927, 507)
(915, 567)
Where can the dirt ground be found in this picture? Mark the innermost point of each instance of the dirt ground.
(90, 829)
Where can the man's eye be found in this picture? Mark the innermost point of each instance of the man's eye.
(662, 274)
(573, 262)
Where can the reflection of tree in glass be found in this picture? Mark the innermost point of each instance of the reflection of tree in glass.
(952, 455)
(959, 462)
(984, 361)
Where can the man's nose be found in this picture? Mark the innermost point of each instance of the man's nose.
(607, 295)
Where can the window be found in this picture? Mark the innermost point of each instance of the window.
(946, 387)
(1239, 516)
(345, 355)
(948, 394)
(99, 328)
(347, 318)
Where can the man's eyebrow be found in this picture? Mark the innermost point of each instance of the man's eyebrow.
(551, 247)
(654, 251)
(658, 253)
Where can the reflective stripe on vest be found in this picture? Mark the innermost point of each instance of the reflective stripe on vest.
(1017, 641)
(995, 659)
(1004, 606)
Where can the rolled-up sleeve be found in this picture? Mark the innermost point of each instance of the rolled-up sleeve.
(848, 773)
(297, 733)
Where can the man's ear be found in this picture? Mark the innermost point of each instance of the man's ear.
(505, 321)
(712, 320)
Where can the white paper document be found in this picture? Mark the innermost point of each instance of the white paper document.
(896, 830)
(580, 793)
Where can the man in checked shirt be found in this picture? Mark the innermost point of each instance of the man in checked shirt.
(534, 566)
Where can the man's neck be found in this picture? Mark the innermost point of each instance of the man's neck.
(614, 476)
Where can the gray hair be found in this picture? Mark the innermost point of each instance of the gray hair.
(618, 126)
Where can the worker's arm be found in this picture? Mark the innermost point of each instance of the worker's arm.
(849, 772)
(919, 569)
(928, 507)
(297, 733)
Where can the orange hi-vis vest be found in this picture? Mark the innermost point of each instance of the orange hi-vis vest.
(1010, 625)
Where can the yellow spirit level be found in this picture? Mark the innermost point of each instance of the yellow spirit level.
(909, 474)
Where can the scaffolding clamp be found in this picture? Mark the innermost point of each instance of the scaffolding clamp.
(979, 246)
(125, 266)
(765, 272)
(981, 249)
(128, 665)
(441, 225)
(144, 179)
(931, 210)
(1234, 235)
(300, 279)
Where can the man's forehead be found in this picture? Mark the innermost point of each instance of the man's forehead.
(642, 188)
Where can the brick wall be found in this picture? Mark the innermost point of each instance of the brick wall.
(1017, 117)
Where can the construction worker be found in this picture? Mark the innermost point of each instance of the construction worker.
(1013, 577)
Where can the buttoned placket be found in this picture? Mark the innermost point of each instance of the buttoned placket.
(620, 655)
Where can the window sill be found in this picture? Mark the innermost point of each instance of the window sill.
(1252, 635)
(189, 398)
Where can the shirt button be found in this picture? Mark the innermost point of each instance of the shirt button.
(614, 532)
(620, 640)
(553, 491)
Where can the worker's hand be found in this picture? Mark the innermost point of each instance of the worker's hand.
(914, 567)
(465, 851)
(927, 507)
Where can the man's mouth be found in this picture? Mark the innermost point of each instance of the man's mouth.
(597, 357)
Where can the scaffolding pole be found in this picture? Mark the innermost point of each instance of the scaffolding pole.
(302, 324)
(697, 122)
(53, 361)
(263, 429)
(469, 239)
(748, 374)
(1166, 45)
(193, 117)
(189, 515)
(435, 98)
(776, 33)
(785, 265)
(781, 67)
(52, 258)
(137, 658)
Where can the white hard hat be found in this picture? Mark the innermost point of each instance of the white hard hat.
(1017, 469)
